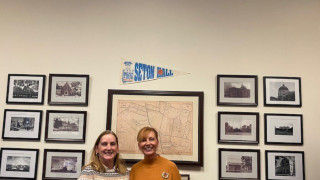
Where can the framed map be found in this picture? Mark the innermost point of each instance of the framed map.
(177, 116)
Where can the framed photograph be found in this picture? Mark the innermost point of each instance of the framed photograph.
(18, 163)
(62, 164)
(238, 127)
(176, 115)
(237, 90)
(22, 124)
(68, 89)
(285, 165)
(185, 177)
(25, 89)
(235, 164)
(282, 91)
(66, 126)
(283, 129)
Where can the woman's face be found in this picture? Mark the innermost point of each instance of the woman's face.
(107, 148)
(148, 145)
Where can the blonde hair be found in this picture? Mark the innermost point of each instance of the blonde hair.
(143, 133)
(96, 164)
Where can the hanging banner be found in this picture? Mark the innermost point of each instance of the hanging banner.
(134, 72)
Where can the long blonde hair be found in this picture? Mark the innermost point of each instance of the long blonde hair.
(96, 164)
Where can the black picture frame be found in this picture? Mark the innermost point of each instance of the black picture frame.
(237, 90)
(192, 103)
(282, 91)
(71, 123)
(68, 89)
(285, 129)
(75, 158)
(285, 164)
(238, 127)
(185, 177)
(25, 89)
(239, 164)
(27, 160)
(22, 125)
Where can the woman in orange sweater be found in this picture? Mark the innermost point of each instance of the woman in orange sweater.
(153, 166)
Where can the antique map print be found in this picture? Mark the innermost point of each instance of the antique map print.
(172, 119)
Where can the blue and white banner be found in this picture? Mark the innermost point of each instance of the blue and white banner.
(134, 72)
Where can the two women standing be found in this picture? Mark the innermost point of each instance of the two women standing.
(106, 162)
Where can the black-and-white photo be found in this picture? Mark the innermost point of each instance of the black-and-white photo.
(18, 163)
(236, 90)
(239, 164)
(238, 128)
(284, 130)
(24, 88)
(282, 91)
(68, 88)
(66, 124)
(285, 166)
(62, 164)
(22, 124)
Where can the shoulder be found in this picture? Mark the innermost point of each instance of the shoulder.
(137, 165)
(168, 162)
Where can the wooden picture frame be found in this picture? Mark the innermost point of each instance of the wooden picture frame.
(238, 127)
(285, 165)
(71, 160)
(18, 163)
(25, 89)
(282, 91)
(286, 129)
(65, 126)
(22, 125)
(239, 164)
(68, 89)
(127, 114)
(237, 90)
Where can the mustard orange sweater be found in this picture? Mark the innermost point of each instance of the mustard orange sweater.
(156, 169)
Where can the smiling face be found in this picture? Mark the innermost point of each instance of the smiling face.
(148, 145)
(107, 149)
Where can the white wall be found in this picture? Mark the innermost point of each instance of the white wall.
(205, 38)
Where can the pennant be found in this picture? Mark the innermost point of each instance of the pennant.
(134, 72)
